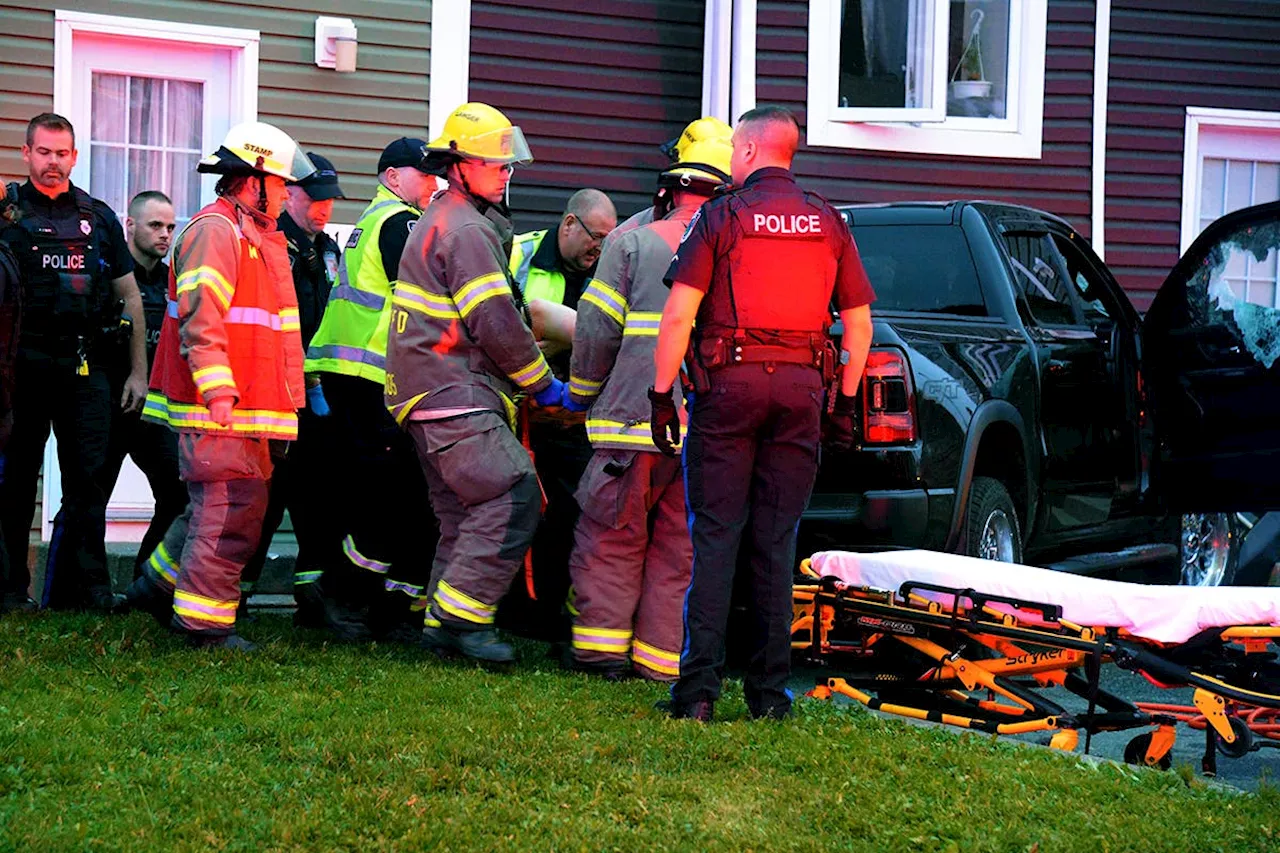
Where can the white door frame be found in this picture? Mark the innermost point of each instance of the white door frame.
(1203, 117)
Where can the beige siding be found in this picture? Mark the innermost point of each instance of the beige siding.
(346, 117)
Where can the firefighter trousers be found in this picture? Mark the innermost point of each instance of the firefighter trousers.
(486, 496)
(206, 548)
(750, 457)
(383, 558)
(631, 562)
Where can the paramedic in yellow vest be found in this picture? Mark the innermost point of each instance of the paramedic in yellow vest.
(552, 268)
(372, 585)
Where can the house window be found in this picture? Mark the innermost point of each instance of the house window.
(959, 77)
(145, 133)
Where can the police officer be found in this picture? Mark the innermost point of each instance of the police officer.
(297, 482)
(632, 555)
(75, 266)
(10, 325)
(757, 269)
(551, 268)
(458, 352)
(375, 575)
(153, 448)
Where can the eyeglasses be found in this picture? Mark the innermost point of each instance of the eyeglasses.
(595, 238)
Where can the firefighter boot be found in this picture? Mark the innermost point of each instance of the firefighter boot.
(310, 600)
(146, 595)
(702, 711)
(232, 642)
(482, 645)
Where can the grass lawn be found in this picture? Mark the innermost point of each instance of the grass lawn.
(114, 737)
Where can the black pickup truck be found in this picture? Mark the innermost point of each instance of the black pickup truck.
(1016, 407)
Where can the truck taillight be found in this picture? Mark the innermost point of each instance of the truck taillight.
(888, 397)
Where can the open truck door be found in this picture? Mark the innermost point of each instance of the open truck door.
(1211, 364)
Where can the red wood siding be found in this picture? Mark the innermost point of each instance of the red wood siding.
(1167, 55)
(1058, 182)
(596, 93)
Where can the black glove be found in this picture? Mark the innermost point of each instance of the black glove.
(843, 427)
(665, 421)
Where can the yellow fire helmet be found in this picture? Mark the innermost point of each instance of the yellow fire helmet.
(258, 147)
(705, 161)
(481, 132)
(707, 127)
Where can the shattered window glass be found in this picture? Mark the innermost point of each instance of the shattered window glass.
(1236, 285)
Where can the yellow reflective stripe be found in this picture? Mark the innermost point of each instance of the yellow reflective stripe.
(654, 658)
(414, 298)
(162, 564)
(531, 373)
(402, 411)
(478, 290)
(616, 640)
(606, 299)
(583, 387)
(642, 323)
(204, 609)
(620, 433)
(217, 283)
(289, 320)
(463, 606)
(183, 415)
(214, 376)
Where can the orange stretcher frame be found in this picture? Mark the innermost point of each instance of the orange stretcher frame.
(979, 661)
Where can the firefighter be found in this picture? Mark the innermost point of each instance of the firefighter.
(757, 269)
(228, 379)
(632, 554)
(75, 266)
(375, 577)
(459, 351)
(297, 480)
(551, 268)
(698, 130)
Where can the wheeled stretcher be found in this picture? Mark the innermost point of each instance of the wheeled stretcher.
(972, 643)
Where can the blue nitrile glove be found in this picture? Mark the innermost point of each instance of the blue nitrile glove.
(569, 403)
(316, 402)
(551, 395)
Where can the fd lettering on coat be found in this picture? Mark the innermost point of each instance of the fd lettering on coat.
(795, 223)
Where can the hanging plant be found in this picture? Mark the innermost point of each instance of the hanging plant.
(969, 79)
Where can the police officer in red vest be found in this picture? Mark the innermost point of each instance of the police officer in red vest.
(758, 269)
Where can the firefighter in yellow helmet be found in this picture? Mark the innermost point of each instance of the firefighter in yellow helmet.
(228, 379)
(632, 553)
(458, 353)
(696, 131)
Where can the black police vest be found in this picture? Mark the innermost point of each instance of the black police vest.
(65, 285)
(781, 265)
(154, 289)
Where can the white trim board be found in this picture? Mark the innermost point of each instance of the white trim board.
(450, 61)
(1204, 117)
(742, 88)
(1098, 163)
(244, 68)
(717, 50)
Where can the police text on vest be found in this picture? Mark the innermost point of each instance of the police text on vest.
(63, 262)
(795, 223)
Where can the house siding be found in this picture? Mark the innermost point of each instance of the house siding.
(1167, 55)
(1058, 182)
(595, 92)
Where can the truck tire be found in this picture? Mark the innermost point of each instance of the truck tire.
(991, 529)
(1209, 549)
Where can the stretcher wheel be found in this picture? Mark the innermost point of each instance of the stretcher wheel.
(1244, 739)
(1136, 753)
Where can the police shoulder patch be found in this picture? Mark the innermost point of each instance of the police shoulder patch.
(85, 227)
(692, 222)
(354, 238)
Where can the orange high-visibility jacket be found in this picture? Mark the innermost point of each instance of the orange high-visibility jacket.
(231, 329)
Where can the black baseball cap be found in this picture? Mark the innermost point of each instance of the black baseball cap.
(322, 184)
(405, 151)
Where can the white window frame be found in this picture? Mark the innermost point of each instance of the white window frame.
(1193, 160)
(1018, 135)
(932, 34)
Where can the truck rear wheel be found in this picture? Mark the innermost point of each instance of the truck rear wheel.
(991, 529)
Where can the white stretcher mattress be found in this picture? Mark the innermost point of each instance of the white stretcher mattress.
(1164, 614)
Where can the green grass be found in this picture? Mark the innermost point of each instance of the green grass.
(114, 737)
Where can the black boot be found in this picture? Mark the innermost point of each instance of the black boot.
(310, 600)
(702, 711)
(233, 642)
(347, 624)
(149, 597)
(482, 645)
(611, 670)
(103, 600)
